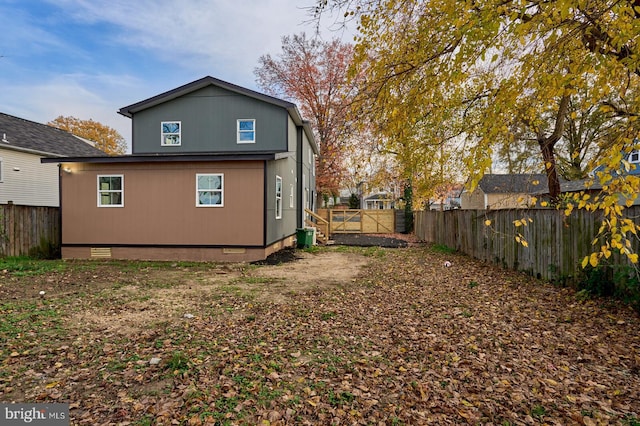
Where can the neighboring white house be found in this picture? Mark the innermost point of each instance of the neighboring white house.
(381, 200)
(23, 179)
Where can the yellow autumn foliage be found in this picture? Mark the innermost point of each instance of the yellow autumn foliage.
(448, 81)
(105, 138)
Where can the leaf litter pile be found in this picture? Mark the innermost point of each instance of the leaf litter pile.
(400, 339)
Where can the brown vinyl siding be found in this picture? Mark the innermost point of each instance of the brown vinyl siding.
(160, 205)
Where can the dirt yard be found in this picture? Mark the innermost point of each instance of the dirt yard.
(347, 335)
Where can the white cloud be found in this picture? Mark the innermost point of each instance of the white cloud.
(79, 96)
(163, 44)
(219, 38)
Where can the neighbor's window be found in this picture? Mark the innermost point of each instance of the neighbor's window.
(278, 197)
(171, 133)
(111, 191)
(210, 190)
(246, 131)
(634, 157)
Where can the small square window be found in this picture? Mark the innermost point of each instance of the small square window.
(171, 133)
(210, 190)
(111, 191)
(634, 157)
(246, 131)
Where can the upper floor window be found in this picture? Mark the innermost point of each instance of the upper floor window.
(110, 191)
(171, 133)
(210, 190)
(634, 157)
(278, 197)
(246, 131)
(0, 169)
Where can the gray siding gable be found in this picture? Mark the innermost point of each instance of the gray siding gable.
(208, 120)
(208, 110)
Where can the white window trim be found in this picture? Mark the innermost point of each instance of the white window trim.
(162, 133)
(238, 130)
(278, 198)
(111, 191)
(221, 190)
(1, 169)
(635, 154)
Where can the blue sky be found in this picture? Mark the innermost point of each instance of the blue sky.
(89, 58)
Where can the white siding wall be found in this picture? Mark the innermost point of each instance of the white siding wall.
(26, 181)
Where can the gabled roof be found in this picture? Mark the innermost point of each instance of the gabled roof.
(291, 108)
(513, 183)
(379, 196)
(28, 136)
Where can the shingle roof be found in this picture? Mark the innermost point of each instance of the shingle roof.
(20, 134)
(379, 197)
(513, 183)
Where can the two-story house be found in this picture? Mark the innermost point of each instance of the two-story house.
(24, 180)
(217, 172)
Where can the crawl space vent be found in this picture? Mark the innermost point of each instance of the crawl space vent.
(100, 251)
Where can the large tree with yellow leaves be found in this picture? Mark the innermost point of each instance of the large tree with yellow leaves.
(465, 73)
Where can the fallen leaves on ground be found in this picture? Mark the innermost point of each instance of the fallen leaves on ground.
(409, 341)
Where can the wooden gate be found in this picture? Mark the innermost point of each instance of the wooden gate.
(360, 221)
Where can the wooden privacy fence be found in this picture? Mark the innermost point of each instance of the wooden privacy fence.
(352, 221)
(556, 243)
(29, 230)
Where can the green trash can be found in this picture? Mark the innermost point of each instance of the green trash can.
(304, 237)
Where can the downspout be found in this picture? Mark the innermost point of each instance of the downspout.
(299, 173)
(60, 207)
(264, 205)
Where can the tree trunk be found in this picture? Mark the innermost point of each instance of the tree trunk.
(547, 147)
(549, 157)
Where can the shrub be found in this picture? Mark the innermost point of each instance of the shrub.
(618, 281)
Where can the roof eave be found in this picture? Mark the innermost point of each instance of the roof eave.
(129, 110)
(30, 151)
(165, 158)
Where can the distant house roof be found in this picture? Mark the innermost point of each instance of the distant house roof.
(379, 197)
(128, 111)
(580, 185)
(28, 136)
(513, 183)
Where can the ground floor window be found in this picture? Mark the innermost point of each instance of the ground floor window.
(210, 190)
(110, 191)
